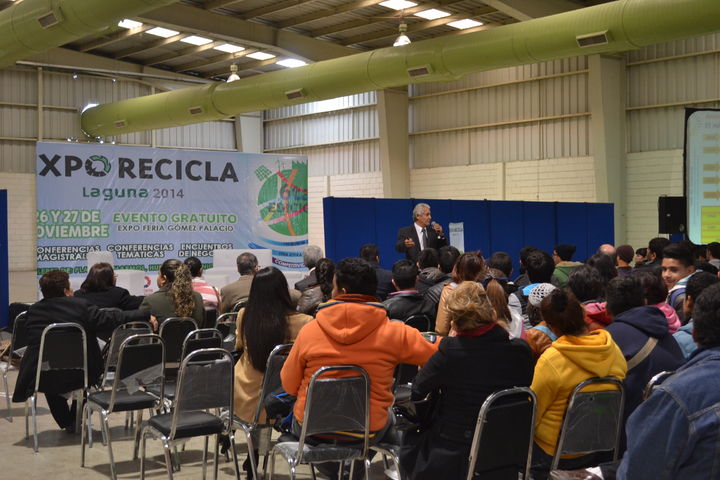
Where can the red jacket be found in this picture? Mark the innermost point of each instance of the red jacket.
(354, 330)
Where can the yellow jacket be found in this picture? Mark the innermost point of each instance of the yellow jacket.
(567, 362)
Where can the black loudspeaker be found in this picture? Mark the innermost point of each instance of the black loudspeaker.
(672, 216)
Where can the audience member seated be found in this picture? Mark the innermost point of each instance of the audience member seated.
(607, 249)
(247, 265)
(624, 258)
(574, 357)
(428, 264)
(311, 255)
(587, 285)
(470, 266)
(442, 450)
(371, 254)
(320, 291)
(209, 294)
(676, 432)
(564, 266)
(502, 262)
(448, 258)
(99, 289)
(706, 267)
(695, 286)
(539, 267)
(655, 293)
(523, 280)
(499, 301)
(640, 256)
(59, 306)
(678, 265)
(540, 336)
(268, 320)
(175, 297)
(406, 300)
(641, 332)
(713, 254)
(605, 265)
(653, 262)
(353, 329)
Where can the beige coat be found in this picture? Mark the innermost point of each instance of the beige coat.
(248, 381)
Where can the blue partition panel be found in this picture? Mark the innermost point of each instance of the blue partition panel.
(4, 273)
(490, 226)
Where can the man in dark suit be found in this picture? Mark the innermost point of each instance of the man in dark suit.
(59, 306)
(371, 254)
(311, 255)
(247, 265)
(420, 235)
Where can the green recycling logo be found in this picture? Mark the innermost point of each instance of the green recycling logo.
(102, 169)
(283, 199)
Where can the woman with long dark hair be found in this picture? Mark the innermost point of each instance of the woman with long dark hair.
(320, 291)
(99, 289)
(269, 319)
(175, 297)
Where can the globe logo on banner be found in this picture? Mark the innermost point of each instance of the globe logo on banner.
(97, 161)
(283, 199)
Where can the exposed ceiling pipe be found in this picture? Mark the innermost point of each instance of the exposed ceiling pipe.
(34, 26)
(610, 27)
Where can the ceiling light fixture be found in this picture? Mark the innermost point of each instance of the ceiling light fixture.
(398, 4)
(196, 40)
(432, 14)
(229, 48)
(291, 63)
(465, 23)
(162, 32)
(127, 23)
(233, 74)
(261, 55)
(402, 39)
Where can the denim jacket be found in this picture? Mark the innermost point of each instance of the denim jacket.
(676, 432)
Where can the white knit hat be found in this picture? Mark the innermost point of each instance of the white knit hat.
(538, 293)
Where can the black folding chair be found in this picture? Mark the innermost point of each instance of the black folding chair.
(122, 332)
(140, 364)
(593, 420)
(173, 332)
(205, 383)
(227, 324)
(420, 322)
(63, 349)
(502, 444)
(655, 381)
(18, 343)
(271, 383)
(332, 404)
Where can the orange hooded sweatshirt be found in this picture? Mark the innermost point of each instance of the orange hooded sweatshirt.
(354, 330)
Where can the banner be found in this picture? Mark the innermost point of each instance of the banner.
(146, 205)
(702, 174)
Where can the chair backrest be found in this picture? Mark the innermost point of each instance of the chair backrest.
(173, 332)
(19, 333)
(63, 346)
(503, 439)
(420, 322)
(337, 404)
(271, 380)
(592, 420)
(119, 335)
(655, 381)
(229, 317)
(211, 314)
(227, 324)
(141, 363)
(239, 305)
(201, 338)
(205, 382)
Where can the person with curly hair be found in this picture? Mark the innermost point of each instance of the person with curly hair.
(175, 297)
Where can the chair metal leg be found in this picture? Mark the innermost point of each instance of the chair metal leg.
(251, 450)
(7, 393)
(217, 457)
(204, 457)
(272, 463)
(79, 404)
(176, 459)
(138, 426)
(312, 472)
(233, 452)
(27, 432)
(168, 459)
(33, 405)
(367, 469)
(83, 433)
(106, 427)
(88, 421)
(142, 454)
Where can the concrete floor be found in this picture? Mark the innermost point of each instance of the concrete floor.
(59, 455)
